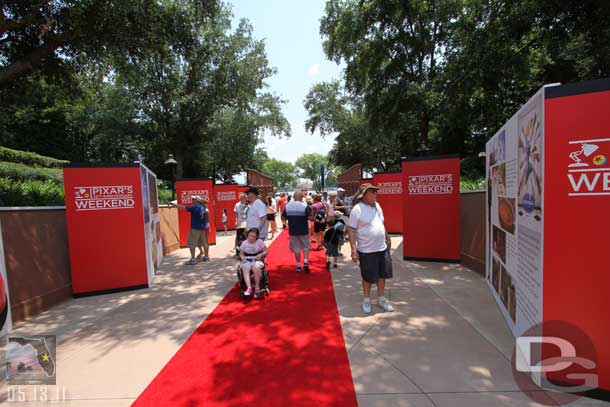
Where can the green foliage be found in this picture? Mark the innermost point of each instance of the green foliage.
(442, 77)
(308, 166)
(30, 193)
(27, 158)
(165, 195)
(181, 80)
(282, 172)
(23, 172)
(467, 184)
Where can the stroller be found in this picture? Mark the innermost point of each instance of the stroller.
(264, 283)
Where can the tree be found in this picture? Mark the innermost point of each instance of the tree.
(43, 34)
(309, 167)
(332, 111)
(442, 77)
(282, 172)
(197, 91)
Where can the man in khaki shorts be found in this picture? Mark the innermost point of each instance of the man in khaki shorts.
(298, 213)
(199, 228)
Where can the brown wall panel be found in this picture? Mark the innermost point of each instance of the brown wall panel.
(472, 226)
(37, 260)
(170, 233)
(350, 180)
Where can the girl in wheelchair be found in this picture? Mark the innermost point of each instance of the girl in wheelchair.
(252, 253)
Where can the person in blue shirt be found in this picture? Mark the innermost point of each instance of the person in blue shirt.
(200, 225)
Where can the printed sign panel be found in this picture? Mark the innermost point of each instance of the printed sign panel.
(105, 221)
(431, 208)
(577, 215)
(226, 198)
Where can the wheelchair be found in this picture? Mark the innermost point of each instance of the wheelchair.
(264, 283)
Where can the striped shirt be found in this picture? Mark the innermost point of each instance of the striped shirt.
(297, 213)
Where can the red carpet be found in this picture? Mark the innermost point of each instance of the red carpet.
(285, 350)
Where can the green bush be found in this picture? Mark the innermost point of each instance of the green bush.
(31, 193)
(165, 195)
(22, 172)
(467, 184)
(25, 157)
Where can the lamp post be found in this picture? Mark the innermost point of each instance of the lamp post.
(171, 162)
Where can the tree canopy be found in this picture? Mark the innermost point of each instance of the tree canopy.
(442, 76)
(109, 80)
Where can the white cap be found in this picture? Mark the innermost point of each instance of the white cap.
(340, 190)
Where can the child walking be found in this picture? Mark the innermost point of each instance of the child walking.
(332, 237)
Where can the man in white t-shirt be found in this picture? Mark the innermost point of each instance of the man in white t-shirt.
(257, 214)
(369, 242)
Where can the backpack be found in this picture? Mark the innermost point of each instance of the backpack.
(320, 216)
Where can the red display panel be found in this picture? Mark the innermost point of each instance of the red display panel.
(105, 221)
(431, 208)
(226, 196)
(390, 197)
(184, 190)
(577, 218)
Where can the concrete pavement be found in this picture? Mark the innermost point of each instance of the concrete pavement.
(446, 345)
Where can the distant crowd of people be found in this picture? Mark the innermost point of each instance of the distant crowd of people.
(320, 218)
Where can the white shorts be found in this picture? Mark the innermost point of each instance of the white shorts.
(248, 265)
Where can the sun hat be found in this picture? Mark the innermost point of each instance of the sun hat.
(363, 189)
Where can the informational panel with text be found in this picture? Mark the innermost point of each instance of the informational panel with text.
(186, 188)
(548, 250)
(514, 158)
(107, 212)
(431, 208)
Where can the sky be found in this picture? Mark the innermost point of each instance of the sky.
(290, 29)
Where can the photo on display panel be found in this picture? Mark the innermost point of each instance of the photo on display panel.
(530, 157)
(498, 176)
(506, 214)
(499, 243)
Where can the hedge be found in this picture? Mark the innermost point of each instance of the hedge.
(25, 157)
(22, 172)
(31, 193)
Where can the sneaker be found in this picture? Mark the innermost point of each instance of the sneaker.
(328, 264)
(366, 307)
(257, 293)
(306, 267)
(248, 292)
(205, 258)
(335, 265)
(298, 269)
(383, 303)
(191, 262)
